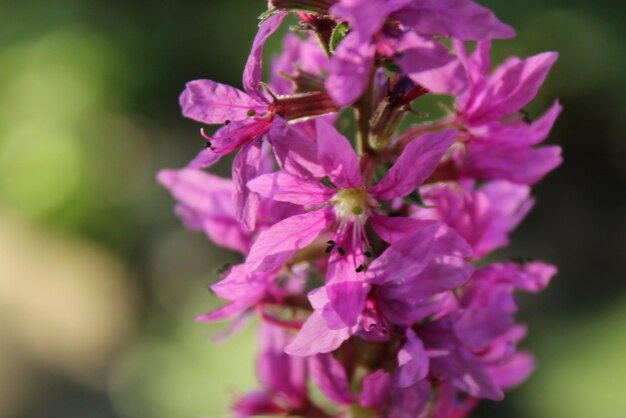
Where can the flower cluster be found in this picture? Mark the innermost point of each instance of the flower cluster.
(365, 259)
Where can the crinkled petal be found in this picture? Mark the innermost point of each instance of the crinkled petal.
(512, 86)
(521, 133)
(513, 372)
(416, 54)
(205, 204)
(350, 69)
(522, 165)
(277, 244)
(376, 390)
(412, 362)
(403, 259)
(284, 187)
(409, 402)
(278, 371)
(478, 328)
(337, 157)
(213, 103)
(246, 167)
(330, 377)
(417, 162)
(461, 19)
(253, 71)
(367, 16)
(295, 152)
(315, 337)
(392, 229)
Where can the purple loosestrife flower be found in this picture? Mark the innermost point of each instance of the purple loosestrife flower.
(300, 67)
(248, 117)
(401, 30)
(483, 216)
(329, 181)
(367, 262)
(498, 143)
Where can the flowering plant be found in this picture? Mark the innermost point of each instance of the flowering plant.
(365, 259)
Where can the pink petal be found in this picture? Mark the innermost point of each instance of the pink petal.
(277, 244)
(417, 162)
(376, 390)
(214, 103)
(512, 86)
(412, 362)
(478, 328)
(523, 165)
(296, 153)
(278, 371)
(461, 19)
(514, 372)
(205, 204)
(337, 157)
(205, 159)
(520, 133)
(367, 16)
(392, 229)
(417, 54)
(284, 187)
(403, 259)
(330, 377)
(350, 69)
(315, 337)
(246, 167)
(253, 71)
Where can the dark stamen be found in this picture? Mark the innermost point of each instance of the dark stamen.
(226, 122)
(368, 254)
(326, 181)
(341, 251)
(208, 145)
(360, 268)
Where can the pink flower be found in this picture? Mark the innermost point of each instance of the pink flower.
(483, 216)
(498, 142)
(283, 379)
(328, 179)
(411, 45)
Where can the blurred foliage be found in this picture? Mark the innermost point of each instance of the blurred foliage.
(91, 253)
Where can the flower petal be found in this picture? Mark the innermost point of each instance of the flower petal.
(403, 259)
(416, 163)
(412, 362)
(337, 157)
(511, 87)
(461, 19)
(278, 243)
(376, 390)
(205, 205)
(350, 68)
(295, 152)
(213, 103)
(284, 187)
(314, 337)
(253, 70)
(246, 167)
(330, 377)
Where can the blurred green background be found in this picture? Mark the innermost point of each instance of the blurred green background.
(99, 282)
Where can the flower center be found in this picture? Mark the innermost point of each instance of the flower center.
(352, 204)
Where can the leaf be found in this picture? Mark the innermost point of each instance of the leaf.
(339, 33)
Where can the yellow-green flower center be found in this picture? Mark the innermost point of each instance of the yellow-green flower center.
(351, 204)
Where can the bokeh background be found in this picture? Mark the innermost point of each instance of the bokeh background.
(99, 282)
